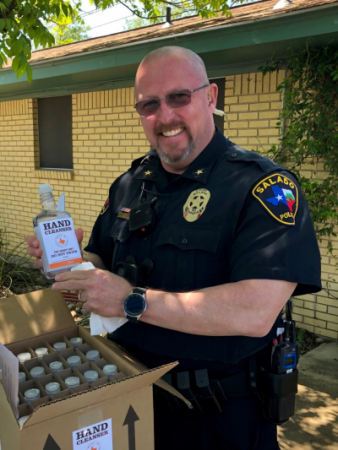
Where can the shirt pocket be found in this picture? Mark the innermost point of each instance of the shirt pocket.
(191, 257)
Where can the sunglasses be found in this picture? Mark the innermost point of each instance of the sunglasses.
(175, 99)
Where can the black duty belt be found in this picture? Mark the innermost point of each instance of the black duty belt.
(208, 395)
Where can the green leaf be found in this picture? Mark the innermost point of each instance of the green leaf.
(2, 24)
(16, 63)
(64, 9)
(21, 69)
(29, 73)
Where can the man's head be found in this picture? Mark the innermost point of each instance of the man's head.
(178, 133)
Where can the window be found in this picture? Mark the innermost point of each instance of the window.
(55, 132)
(219, 121)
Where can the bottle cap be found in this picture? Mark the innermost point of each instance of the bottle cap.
(37, 372)
(22, 377)
(72, 382)
(31, 395)
(56, 366)
(52, 388)
(22, 420)
(44, 188)
(40, 352)
(76, 341)
(22, 357)
(58, 346)
(93, 355)
(91, 375)
(74, 361)
(110, 369)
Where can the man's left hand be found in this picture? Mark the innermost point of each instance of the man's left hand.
(102, 292)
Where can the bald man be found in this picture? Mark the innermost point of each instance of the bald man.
(200, 244)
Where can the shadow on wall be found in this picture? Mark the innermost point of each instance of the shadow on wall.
(315, 425)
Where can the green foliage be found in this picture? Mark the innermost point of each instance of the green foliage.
(310, 114)
(23, 23)
(66, 34)
(160, 11)
(15, 266)
(301, 336)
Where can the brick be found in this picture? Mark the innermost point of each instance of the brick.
(248, 116)
(258, 123)
(327, 317)
(237, 108)
(238, 125)
(327, 333)
(248, 99)
(314, 322)
(230, 100)
(247, 132)
(269, 97)
(259, 107)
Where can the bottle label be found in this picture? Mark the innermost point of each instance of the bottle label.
(59, 243)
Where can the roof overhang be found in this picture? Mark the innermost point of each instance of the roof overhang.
(226, 49)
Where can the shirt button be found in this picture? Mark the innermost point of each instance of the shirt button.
(233, 155)
(184, 241)
(159, 204)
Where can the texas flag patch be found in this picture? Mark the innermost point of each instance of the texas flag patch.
(279, 196)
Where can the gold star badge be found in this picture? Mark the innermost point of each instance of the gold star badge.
(198, 172)
(148, 172)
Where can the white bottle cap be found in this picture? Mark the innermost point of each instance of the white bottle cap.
(72, 382)
(37, 372)
(91, 375)
(42, 351)
(22, 357)
(93, 355)
(22, 420)
(22, 377)
(110, 369)
(52, 388)
(74, 361)
(58, 346)
(76, 341)
(56, 366)
(44, 188)
(31, 395)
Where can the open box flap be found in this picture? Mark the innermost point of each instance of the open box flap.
(130, 365)
(33, 314)
(100, 394)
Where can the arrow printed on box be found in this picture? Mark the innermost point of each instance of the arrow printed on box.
(51, 444)
(130, 420)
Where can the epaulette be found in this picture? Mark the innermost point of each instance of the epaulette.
(144, 159)
(235, 153)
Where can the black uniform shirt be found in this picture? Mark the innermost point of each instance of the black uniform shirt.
(232, 215)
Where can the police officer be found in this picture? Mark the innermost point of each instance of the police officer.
(229, 240)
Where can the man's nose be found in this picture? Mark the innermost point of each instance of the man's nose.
(165, 112)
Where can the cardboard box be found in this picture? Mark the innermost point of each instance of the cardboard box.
(115, 415)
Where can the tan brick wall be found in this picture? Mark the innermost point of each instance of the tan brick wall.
(107, 136)
(253, 106)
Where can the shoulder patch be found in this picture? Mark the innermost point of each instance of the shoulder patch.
(105, 206)
(279, 196)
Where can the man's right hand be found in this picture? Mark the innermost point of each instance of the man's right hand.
(34, 249)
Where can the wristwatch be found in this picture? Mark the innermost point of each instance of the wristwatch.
(135, 304)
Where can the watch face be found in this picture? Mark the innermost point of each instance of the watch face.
(134, 305)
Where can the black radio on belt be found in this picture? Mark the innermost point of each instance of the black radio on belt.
(279, 378)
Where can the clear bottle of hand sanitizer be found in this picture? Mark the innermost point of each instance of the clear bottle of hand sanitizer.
(55, 231)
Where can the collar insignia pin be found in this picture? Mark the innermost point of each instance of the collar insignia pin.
(199, 172)
(148, 172)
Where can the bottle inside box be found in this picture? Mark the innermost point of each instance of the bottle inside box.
(49, 376)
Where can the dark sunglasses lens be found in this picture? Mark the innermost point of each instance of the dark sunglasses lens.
(147, 107)
(179, 98)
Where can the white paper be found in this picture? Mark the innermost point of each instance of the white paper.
(98, 324)
(98, 436)
(9, 366)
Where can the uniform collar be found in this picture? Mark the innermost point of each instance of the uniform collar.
(199, 170)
